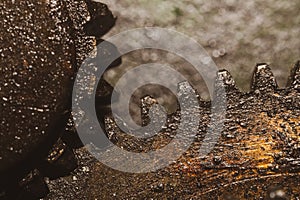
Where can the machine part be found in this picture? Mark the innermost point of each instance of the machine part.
(43, 44)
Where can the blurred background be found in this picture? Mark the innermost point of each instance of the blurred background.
(236, 34)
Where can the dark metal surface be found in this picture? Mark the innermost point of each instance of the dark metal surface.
(257, 155)
(36, 71)
(43, 43)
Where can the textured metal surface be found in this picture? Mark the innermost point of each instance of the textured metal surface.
(43, 43)
(257, 155)
(35, 79)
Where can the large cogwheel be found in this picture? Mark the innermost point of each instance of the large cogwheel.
(257, 156)
(43, 44)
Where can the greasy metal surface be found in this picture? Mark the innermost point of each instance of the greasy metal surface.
(42, 45)
(257, 156)
(35, 78)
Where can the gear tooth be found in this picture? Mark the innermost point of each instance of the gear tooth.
(184, 88)
(263, 79)
(146, 102)
(60, 161)
(33, 186)
(225, 91)
(294, 79)
(224, 79)
(106, 51)
(187, 94)
(102, 19)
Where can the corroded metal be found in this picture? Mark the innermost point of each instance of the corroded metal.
(257, 155)
(43, 43)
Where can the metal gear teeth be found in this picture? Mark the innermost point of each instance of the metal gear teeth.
(225, 81)
(224, 78)
(185, 91)
(258, 140)
(92, 26)
(107, 50)
(102, 19)
(294, 79)
(146, 103)
(263, 79)
(61, 159)
(90, 21)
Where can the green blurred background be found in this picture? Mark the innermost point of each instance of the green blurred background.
(247, 32)
(237, 34)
